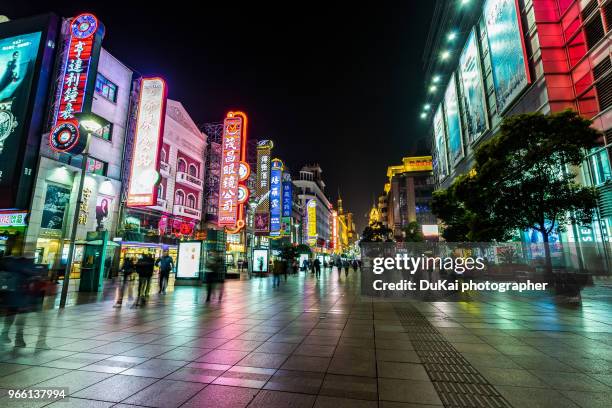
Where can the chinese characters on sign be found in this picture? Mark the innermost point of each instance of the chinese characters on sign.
(287, 204)
(15, 219)
(231, 205)
(76, 68)
(311, 214)
(84, 207)
(334, 238)
(262, 212)
(275, 197)
(144, 175)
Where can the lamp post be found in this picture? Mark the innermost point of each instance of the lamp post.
(91, 126)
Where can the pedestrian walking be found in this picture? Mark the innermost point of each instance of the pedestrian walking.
(277, 270)
(166, 265)
(127, 270)
(355, 265)
(214, 275)
(345, 266)
(317, 267)
(144, 268)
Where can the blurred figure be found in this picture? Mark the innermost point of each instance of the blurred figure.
(294, 266)
(23, 286)
(355, 265)
(305, 265)
(277, 270)
(127, 270)
(166, 265)
(144, 268)
(213, 275)
(317, 267)
(345, 266)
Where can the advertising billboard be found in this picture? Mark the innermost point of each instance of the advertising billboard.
(144, 173)
(287, 204)
(334, 237)
(472, 89)
(188, 264)
(18, 57)
(262, 188)
(231, 208)
(260, 260)
(57, 199)
(276, 174)
(507, 50)
(441, 163)
(453, 121)
(311, 216)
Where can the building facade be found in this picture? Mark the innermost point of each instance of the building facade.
(58, 177)
(508, 57)
(318, 209)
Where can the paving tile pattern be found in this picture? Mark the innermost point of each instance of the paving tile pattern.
(316, 343)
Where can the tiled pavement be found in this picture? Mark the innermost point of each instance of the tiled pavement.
(308, 344)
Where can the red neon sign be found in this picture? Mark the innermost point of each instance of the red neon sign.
(76, 66)
(144, 175)
(231, 209)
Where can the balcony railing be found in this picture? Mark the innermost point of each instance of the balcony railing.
(164, 169)
(187, 179)
(160, 205)
(187, 211)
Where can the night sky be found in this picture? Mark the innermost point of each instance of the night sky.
(338, 86)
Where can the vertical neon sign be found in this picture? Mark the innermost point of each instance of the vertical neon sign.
(276, 174)
(76, 67)
(232, 194)
(144, 175)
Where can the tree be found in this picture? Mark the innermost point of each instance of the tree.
(376, 232)
(524, 178)
(413, 232)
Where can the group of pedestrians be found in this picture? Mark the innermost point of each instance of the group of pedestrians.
(341, 264)
(144, 267)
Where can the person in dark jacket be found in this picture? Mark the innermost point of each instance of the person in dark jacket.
(127, 269)
(166, 265)
(214, 274)
(144, 268)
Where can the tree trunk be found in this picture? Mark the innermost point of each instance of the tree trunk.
(547, 257)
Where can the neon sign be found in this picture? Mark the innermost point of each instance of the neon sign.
(144, 175)
(262, 188)
(233, 195)
(311, 211)
(334, 240)
(14, 219)
(76, 68)
(275, 197)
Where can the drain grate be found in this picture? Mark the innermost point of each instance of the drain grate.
(457, 382)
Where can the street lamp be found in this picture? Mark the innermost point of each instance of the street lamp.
(91, 124)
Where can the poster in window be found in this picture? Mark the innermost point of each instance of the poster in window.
(472, 90)
(453, 122)
(507, 51)
(57, 199)
(103, 212)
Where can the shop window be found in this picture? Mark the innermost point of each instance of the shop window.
(106, 88)
(594, 31)
(106, 132)
(191, 201)
(607, 9)
(588, 9)
(604, 92)
(182, 165)
(193, 170)
(600, 165)
(160, 191)
(95, 166)
(179, 197)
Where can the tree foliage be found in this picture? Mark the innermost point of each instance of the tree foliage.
(376, 232)
(524, 177)
(413, 232)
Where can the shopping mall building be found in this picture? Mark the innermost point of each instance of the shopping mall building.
(489, 59)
